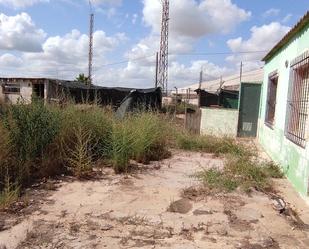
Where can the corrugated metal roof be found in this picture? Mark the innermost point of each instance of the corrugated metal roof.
(231, 82)
(298, 27)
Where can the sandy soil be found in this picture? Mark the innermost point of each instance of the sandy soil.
(148, 209)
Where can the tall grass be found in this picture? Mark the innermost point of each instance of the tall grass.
(241, 168)
(79, 156)
(31, 129)
(151, 137)
(141, 137)
(242, 172)
(6, 156)
(41, 140)
(121, 146)
(9, 193)
(210, 144)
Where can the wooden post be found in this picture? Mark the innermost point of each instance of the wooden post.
(176, 101)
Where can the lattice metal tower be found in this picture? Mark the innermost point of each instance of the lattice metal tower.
(90, 56)
(163, 57)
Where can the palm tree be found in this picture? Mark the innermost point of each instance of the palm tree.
(82, 79)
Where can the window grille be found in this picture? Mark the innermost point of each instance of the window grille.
(298, 100)
(11, 88)
(271, 98)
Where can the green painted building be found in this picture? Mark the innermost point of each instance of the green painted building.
(284, 121)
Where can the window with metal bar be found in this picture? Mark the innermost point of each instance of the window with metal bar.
(11, 88)
(271, 98)
(298, 100)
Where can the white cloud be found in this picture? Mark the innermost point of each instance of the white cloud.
(110, 2)
(21, 3)
(135, 74)
(189, 21)
(262, 38)
(9, 60)
(271, 13)
(186, 75)
(64, 56)
(287, 18)
(20, 33)
(195, 19)
(134, 18)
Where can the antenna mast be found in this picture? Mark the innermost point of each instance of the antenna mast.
(90, 44)
(163, 58)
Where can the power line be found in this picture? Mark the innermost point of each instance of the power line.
(126, 61)
(145, 57)
(221, 53)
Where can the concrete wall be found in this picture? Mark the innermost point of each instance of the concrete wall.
(293, 159)
(219, 122)
(26, 89)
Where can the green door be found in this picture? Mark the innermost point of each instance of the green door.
(249, 109)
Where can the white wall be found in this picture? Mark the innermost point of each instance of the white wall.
(219, 122)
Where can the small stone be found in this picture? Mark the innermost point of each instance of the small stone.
(181, 206)
(267, 242)
(107, 227)
(222, 231)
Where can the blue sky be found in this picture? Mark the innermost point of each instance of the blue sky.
(50, 37)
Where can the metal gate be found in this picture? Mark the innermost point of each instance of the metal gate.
(249, 107)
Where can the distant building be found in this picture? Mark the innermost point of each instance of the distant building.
(14, 90)
(230, 82)
(229, 106)
(22, 89)
(284, 122)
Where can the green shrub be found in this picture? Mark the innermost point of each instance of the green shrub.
(214, 179)
(6, 156)
(96, 120)
(240, 171)
(141, 137)
(122, 142)
(79, 156)
(180, 108)
(209, 144)
(3, 108)
(273, 170)
(9, 194)
(31, 129)
(150, 134)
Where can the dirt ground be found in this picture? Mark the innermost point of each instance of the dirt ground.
(150, 209)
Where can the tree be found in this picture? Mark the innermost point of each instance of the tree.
(82, 79)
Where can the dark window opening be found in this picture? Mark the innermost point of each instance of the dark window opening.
(298, 101)
(38, 90)
(271, 99)
(11, 89)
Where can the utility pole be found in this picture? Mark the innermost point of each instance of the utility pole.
(201, 79)
(163, 58)
(157, 64)
(241, 67)
(219, 90)
(90, 56)
(176, 101)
